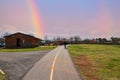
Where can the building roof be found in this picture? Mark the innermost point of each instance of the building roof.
(22, 34)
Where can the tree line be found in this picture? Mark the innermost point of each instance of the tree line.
(78, 40)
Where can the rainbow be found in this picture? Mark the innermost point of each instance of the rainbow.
(37, 23)
(105, 20)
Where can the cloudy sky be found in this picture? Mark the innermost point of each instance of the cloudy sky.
(86, 18)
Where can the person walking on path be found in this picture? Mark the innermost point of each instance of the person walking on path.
(65, 45)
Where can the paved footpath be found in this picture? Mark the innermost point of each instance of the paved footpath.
(56, 65)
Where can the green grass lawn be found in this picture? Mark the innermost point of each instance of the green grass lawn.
(97, 62)
(28, 49)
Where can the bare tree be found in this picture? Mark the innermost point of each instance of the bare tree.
(115, 40)
(77, 39)
(71, 40)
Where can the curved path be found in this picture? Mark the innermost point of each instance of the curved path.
(56, 65)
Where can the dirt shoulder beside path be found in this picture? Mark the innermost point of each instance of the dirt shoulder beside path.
(17, 64)
(84, 66)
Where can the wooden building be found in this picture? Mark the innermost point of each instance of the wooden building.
(21, 40)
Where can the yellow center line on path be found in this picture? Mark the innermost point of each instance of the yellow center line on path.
(53, 65)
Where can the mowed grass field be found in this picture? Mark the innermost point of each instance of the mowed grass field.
(28, 49)
(96, 62)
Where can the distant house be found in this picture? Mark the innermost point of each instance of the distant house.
(21, 40)
(60, 42)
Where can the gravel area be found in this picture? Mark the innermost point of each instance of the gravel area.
(17, 64)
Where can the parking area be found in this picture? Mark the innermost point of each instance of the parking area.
(17, 64)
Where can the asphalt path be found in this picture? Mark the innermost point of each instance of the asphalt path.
(56, 65)
(17, 64)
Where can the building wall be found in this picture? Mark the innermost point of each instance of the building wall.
(25, 41)
(10, 42)
(59, 42)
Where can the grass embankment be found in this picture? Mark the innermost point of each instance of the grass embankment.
(97, 62)
(2, 76)
(28, 49)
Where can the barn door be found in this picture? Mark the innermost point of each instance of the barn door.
(18, 42)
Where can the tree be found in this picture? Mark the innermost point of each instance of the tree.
(86, 41)
(71, 39)
(77, 39)
(47, 41)
(115, 40)
(104, 40)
